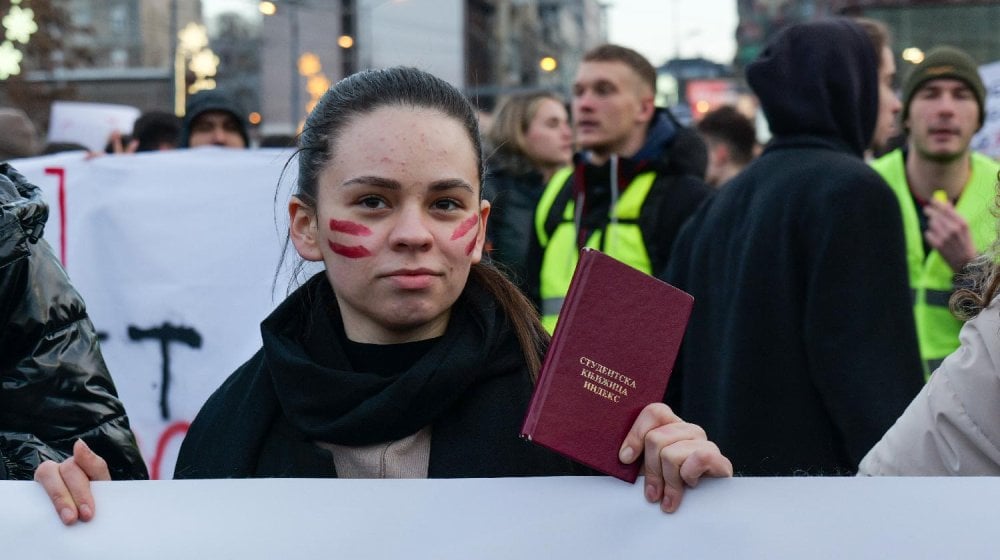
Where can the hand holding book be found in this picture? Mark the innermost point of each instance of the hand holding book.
(611, 355)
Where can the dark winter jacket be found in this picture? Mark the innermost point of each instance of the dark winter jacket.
(679, 158)
(472, 386)
(54, 385)
(513, 191)
(801, 349)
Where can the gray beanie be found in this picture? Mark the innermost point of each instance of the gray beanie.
(945, 62)
(212, 100)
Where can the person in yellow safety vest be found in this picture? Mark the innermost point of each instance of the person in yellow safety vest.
(638, 178)
(945, 190)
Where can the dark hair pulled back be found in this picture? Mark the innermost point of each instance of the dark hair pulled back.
(365, 92)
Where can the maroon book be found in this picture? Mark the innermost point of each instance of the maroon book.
(611, 354)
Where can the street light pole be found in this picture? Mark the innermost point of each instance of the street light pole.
(178, 73)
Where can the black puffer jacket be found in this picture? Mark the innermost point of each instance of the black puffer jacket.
(513, 190)
(54, 385)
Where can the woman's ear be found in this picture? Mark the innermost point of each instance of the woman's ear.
(302, 230)
(484, 214)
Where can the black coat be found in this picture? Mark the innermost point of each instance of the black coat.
(513, 196)
(55, 385)
(801, 350)
(258, 423)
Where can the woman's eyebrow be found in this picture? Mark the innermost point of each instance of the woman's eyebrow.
(448, 184)
(382, 182)
(373, 181)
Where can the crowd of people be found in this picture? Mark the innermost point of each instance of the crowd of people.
(828, 286)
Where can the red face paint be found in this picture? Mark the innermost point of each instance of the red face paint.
(464, 227)
(351, 252)
(352, 228)
(470, 247)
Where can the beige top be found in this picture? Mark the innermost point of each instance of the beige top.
(403, 458)
(952, 427)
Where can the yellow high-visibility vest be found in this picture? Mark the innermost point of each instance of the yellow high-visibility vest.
(931, 277)
(621, 238)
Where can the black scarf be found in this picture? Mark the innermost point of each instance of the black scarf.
(327, 400)
(471, 384)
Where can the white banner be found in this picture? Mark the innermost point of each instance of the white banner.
(89, 124)
(987, 140)
(575, 518)
(174, 254)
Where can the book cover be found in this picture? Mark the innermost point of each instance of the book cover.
(611, 354)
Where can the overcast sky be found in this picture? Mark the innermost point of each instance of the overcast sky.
(705, 28)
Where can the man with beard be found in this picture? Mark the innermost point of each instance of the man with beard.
(945, 190)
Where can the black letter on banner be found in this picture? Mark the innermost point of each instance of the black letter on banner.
(166, 334)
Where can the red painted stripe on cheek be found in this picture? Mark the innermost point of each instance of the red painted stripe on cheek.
(464, 227)
(471, 246)
(352, 228)
(349, 251)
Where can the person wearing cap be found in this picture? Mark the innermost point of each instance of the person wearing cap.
(214, 118)
(945, 190)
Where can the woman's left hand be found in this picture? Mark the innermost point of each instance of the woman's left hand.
(674, 453)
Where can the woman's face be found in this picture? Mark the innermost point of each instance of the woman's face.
(549, 140)
(398, 223)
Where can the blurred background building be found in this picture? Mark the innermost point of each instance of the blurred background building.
(279, 56)
(916, 25)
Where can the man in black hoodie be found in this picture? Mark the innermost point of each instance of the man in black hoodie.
(638, 178)
(801, 350)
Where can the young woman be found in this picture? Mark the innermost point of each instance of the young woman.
(529, 141)
(406, 356)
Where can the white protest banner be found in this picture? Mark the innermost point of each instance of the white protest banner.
(987, 140)
(175, 254)
(578, 518)
(89, 124)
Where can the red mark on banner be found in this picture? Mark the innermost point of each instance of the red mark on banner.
(172, 431)
(351, 228)
(464, 227)
(350, 251)
(61, 174)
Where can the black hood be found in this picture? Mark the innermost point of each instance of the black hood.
(819, 78)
